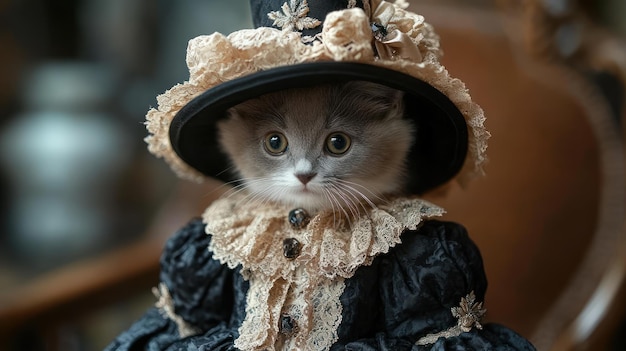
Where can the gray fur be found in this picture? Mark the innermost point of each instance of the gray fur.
(373, 166)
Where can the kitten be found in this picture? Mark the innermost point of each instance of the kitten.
(339, 147)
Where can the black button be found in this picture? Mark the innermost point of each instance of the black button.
(298, 218)
(291, 248)
(288, 325)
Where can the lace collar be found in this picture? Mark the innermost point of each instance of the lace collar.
(252, 234)
(297, 273)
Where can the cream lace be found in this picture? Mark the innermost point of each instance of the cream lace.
(165, 304)
(308, 287)
(411, 46)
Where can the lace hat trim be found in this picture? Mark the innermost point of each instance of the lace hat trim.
(408, 44)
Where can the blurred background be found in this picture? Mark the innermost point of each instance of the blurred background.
(78, 77)
(85, 209)
(77, 183)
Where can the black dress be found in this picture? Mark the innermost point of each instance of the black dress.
(400, 298)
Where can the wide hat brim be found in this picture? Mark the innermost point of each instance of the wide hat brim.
(450, 140)
(440, 144)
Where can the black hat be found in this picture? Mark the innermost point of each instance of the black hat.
(298, 44)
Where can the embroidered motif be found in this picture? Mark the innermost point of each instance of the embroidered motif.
(468, 315)
(294, 16)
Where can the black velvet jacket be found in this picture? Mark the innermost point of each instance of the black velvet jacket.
(401, 297)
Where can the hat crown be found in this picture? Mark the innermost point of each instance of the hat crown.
(303, 16)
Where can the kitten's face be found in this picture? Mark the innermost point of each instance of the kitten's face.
(327, 147)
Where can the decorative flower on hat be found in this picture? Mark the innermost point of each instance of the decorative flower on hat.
(381, 34)
(294, 16)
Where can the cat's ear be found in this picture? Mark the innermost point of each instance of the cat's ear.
(376, 92)
(232, 113)
(397, 102)
(241, 112)
(394, 99)
(258, 109)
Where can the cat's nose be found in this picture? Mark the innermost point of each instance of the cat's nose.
(304, 178)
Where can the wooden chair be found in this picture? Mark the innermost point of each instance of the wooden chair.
(549, 216)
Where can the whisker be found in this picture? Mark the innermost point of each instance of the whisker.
(242, 186)
(373, 194)
(235, 190)
(336, 201)
(332, 205)
(347, 201)
(350, 200)
(221, 187)
(356, 192)
(264, 196)
(227, 169)
(353, 194)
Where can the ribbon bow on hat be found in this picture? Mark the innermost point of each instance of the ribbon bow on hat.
(296, 43)
(390, 40)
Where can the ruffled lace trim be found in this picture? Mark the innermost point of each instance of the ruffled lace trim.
(165, 304)
(411, 47)
(306, 288)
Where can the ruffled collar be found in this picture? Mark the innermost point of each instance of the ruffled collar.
(252, 234)
(297, 273)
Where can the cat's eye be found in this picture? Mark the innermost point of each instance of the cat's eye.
(275, 143)
(338, 143)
